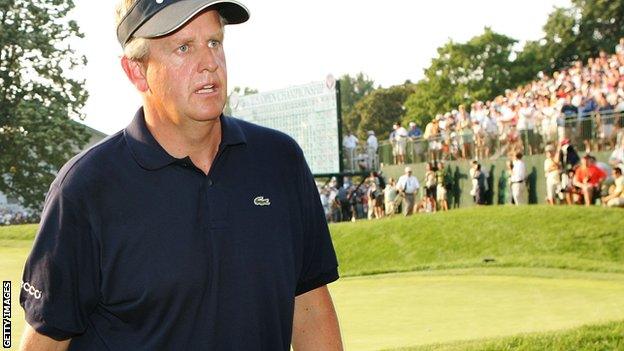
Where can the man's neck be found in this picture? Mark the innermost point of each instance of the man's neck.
(198, 140)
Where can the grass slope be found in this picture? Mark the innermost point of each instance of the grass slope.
(590, 239)
(603, 337)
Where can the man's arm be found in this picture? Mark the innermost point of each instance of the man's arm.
(33, 341)
(315, 324)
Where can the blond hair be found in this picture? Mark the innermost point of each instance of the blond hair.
(138, 48)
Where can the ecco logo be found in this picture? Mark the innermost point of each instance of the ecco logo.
(31, 290)
(261, 201)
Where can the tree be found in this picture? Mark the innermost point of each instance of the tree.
(479, 69)
(352, 90)
(37, 100)
(578, 33)
(380, 109)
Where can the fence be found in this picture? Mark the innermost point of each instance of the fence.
(597, 131)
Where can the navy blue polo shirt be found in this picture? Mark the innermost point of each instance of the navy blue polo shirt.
(138, 250)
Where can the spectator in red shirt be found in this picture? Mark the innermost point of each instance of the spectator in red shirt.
(588, 178)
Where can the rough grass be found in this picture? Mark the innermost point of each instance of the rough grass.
(589, 239)
(603, 337)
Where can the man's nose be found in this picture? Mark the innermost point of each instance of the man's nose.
(208, 60)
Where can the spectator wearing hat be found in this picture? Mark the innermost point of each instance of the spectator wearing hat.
(408, 185)
(135, 250)
(371, 150)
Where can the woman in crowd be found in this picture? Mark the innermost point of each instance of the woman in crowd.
(430, 187)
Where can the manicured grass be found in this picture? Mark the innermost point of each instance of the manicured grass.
(602, 337)
(578, 238)
(419, 308)
(553, 268)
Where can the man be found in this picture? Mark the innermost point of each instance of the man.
(400, 138)
(371, 150)
(350, 143)
(155, 240)
(408, 185)
(415, 135)
(518, 176)
(587, 179)
(616, 196)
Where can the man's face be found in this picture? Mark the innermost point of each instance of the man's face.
(186, 71)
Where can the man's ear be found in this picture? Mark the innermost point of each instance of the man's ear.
(135, 71)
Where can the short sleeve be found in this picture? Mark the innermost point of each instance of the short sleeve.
(60, 284)
(320, 266)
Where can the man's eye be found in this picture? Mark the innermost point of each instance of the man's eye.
(183, 48)
(213, 43)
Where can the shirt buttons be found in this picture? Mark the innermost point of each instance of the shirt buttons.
(209, 182)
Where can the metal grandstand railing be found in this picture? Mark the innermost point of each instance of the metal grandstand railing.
(594, 130)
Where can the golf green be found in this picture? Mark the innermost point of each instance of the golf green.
(409, 309)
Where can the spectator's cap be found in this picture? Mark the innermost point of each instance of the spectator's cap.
(156, 18)
(408, 169)
(447, 115)
(454, 112)
(412, 124)
(565, 141)
(370, 132)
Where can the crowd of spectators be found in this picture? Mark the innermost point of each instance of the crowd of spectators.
(570, 179)
(576, 111)
(10, 216)
(583, 103)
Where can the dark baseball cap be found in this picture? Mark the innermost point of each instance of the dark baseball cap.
(156, 18)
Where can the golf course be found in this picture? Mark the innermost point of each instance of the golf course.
(486, 278)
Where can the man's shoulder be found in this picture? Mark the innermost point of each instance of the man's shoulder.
(86, 167)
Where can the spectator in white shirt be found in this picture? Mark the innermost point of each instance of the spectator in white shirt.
(400, 138)
(349, 143)
(518, 175)
(371, 149)
(408, 185)
(551, 172)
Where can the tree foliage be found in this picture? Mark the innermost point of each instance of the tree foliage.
(462, 73)
(37, 99)
(578, 32)
(352, 90)
(380, 109)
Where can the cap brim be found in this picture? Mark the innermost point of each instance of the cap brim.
(174, 16)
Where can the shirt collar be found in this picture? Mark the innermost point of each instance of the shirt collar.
(151, 156)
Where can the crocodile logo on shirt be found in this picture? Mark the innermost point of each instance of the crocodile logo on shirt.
(261, 201)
